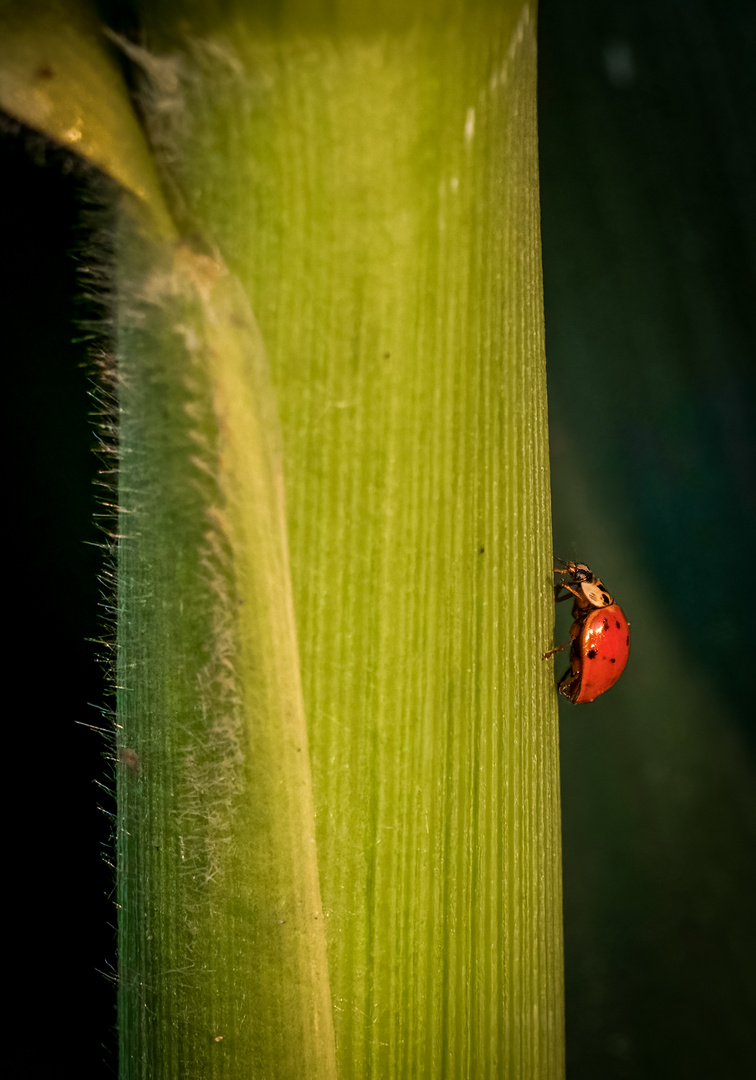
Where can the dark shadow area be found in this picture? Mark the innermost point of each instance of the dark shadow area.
(62, 941)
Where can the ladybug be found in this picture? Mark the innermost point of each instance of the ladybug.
(599, 635)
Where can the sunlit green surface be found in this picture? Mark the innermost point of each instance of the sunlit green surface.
(372, 181)
(222, 942)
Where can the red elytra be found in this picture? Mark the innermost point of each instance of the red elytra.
(598, 656)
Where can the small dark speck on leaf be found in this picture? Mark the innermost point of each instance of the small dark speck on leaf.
(45, 72)
(129, 758)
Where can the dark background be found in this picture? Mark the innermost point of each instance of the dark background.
(60, 944)
(648, 173)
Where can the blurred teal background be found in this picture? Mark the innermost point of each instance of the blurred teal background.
(648, 173)
(648, 184)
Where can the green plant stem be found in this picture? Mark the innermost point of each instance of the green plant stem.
(222, 942)
(380, 205)
(366, 179)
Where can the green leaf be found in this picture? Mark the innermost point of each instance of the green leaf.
(366, 182)
(222, 940)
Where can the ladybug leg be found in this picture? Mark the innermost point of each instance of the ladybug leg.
(569, 591)
(567, 683)
(570, 679)
(552, 652)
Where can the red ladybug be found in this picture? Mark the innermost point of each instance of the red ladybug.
(599, 636)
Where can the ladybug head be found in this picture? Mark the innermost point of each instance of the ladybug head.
(578, 571)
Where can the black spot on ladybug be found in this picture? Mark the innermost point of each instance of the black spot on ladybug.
(612, 660)
(616, 623)
(606, 625)
(591, 654)
(627, 640)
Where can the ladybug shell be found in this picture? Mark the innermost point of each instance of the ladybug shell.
(599, 654)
